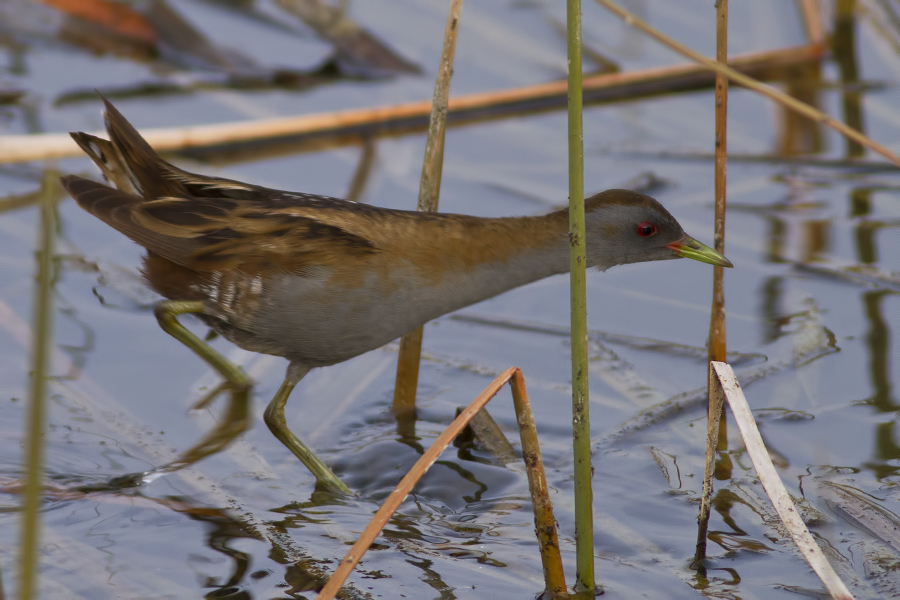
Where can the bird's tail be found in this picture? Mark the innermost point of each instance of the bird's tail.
(128, 161)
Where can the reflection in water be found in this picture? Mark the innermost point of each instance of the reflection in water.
(878, 340)
(775, 239)
(406, 435)
(222, 528)
(817, 241)
(723, 501)
(843, 47)
(433, 578)
(426, 546)
(798, 134)
(873, 537)
(860, 202)
(865, 242)
(861, 206)
(862, 510)
(772, 309)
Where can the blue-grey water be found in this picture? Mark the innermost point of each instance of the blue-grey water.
(814, 248)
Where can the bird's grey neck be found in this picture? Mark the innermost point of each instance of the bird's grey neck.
(490, 279)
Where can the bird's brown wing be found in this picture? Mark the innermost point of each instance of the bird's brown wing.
(213, 234)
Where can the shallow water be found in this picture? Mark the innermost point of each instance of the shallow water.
(249, 523)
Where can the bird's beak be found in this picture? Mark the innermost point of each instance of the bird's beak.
(688, 247)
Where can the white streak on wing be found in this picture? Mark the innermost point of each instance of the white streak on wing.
(229, 292)
(213, 290)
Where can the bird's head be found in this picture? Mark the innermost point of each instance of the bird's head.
(625, 227)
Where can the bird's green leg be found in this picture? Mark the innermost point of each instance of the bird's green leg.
(236, 418)
(274, 417)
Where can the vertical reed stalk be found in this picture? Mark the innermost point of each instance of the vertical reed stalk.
(40, 358)
(581, 422)
(717, 317)
(716, 432)
(715, 412)
(717, 345)
(407, 379)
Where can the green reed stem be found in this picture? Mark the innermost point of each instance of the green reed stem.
(407, 379)
(40, 359)
(581, 422)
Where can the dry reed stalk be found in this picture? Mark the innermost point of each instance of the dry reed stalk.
(348, 126)
(717, 345)
(727, 384)
(543, 512)
(811, 12)
(407, 379)
(715, 414)
(716, 433)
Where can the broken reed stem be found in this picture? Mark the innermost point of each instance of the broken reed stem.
(543, 512)
(41, 352)
(728, 386)
(407, 379)
(715, 413)
(581, 421)
(545, 525)
(753, 84)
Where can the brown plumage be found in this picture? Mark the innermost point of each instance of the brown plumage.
(319, 280)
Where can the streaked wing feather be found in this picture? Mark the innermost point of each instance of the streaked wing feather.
(211, 234)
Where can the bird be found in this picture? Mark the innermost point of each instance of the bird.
(319, 280)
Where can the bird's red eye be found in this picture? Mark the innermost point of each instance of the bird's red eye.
(646, 229)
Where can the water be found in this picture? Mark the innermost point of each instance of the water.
(249, 523)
